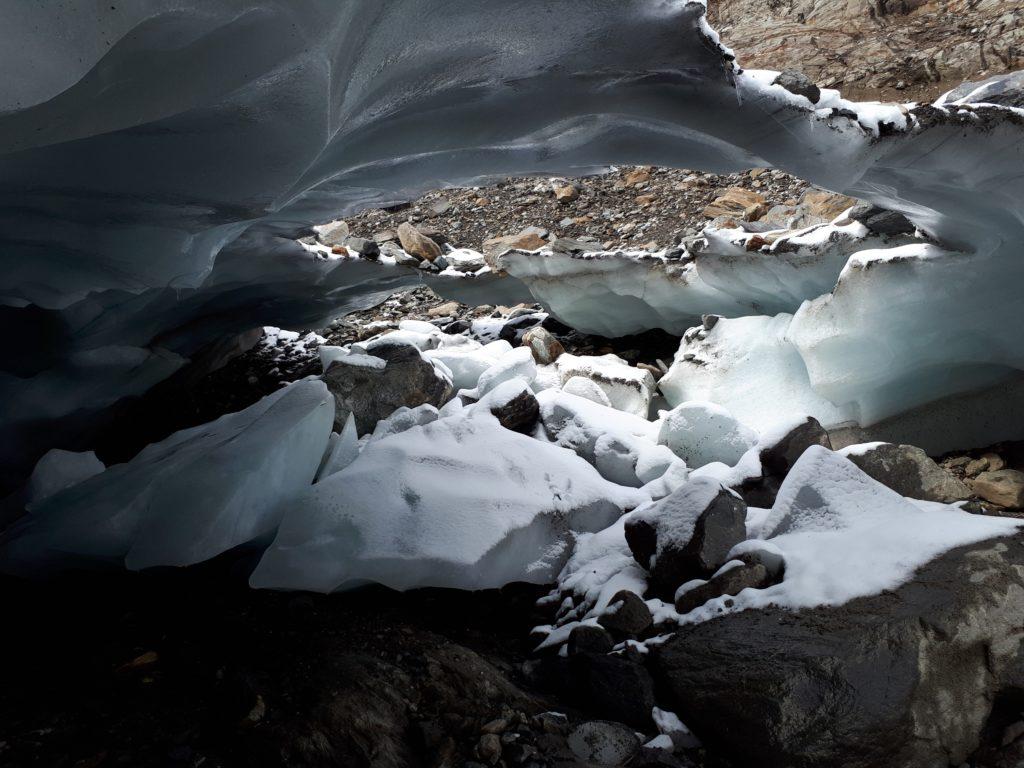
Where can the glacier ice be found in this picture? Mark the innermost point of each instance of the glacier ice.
(59, 469)
(188, 498)
(159, 158)
(460, 502)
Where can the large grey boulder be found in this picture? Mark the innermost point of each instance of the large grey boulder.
(904, 678)
(910, 472)
(372, 392)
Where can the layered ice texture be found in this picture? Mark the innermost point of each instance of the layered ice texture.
(158, 157)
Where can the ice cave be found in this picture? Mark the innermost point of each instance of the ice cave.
(512, 383)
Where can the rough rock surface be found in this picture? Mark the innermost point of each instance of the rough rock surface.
(903, 679)
(909, 472)
(906, 49)
(730, 582)
(1004, 487)
(779, 458)
(677, 542)
(373, 393)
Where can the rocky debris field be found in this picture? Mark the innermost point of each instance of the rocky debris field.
(894, 50)
(634, 207)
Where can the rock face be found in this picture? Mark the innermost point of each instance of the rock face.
(894, 46)
(372, 393)
(909, 472)
(904, 678)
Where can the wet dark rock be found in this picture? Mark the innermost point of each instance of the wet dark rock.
(902, 679)
(627, 614)
(731, 582)
(368, 249)
(586, 638)
(612, 686)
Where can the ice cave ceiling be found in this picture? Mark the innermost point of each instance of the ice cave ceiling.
(157, 158)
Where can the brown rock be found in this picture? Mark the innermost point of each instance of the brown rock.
(443, 310)
(416, 243)
(646, 200)
(1004, 487)
(825, 205)
(545, 347)
(638, 176)
(524, 241)
(566, 194)
(735, 201)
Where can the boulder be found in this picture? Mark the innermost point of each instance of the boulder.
(908, 471)
(417, 244)
(798, 83)
(603, 744)
(778, 458)
(819, 205)
(586, 638)
(904, 678)
(686, 535)
(1004, 487)
(735, 201)
(612, 686)
(401, 258)
(566, 193)
(880, 221)
(701, 433)
(372, 391)
(628, 388)
(546, 348)
(730, 581)
(526, 240)
(626, 614)
(520, 413)
(332, 234)
(369, 249)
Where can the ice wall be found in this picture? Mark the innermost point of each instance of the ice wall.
(157, 156)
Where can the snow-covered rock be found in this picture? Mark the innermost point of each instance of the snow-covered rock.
(460, 502)
(517, 363)
(621, 446)
(702, 433)
(688, 534)
(627, 388)
(467, 361)
(186, 499)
